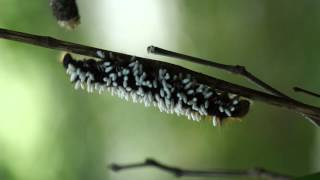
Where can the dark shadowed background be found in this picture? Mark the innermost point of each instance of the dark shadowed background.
(50, 131)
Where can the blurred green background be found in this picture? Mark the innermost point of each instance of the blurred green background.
(50, 131)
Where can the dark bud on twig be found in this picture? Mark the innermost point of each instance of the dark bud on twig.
(66, 13)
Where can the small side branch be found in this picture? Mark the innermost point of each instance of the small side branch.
(179, 172)
(298, 89)
(235, 69)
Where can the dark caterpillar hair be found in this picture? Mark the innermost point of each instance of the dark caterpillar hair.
(171, 88)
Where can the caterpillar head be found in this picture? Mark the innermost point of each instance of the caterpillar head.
(242, 109)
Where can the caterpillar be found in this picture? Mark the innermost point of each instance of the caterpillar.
(171, 88)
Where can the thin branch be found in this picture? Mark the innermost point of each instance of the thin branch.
(298, 89)
(179, 172)
(52, 43)
(236, 69)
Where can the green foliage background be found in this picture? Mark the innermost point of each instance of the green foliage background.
(50, 131)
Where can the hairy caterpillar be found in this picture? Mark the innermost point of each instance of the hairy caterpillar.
(171, 88)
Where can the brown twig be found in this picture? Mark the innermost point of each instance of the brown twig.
(298, 89)
(52, 43)
(179, 172)
(236, 69)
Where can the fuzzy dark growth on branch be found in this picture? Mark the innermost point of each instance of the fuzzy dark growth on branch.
(172, 89)
(66, 13)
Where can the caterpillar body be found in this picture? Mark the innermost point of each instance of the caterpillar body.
(169, 87)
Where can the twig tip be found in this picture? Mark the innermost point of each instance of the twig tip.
(114, 167)
(296, 88)
(151, 49)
